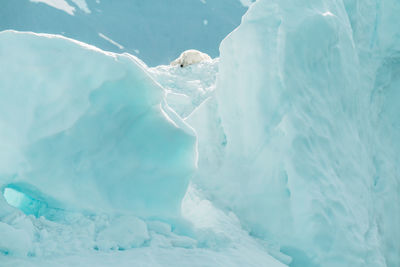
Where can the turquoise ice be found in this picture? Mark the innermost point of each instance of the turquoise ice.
(307, 129)
(70, 118)
(283, 151)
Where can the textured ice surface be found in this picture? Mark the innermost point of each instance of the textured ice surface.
(303, 134)
(98, 164)
(186, 88)
(86, 129)
(298, 151)
(104, 240)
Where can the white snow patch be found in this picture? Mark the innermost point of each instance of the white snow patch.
(111, 41)
(59, 4)
(327, 13)
(82, 5)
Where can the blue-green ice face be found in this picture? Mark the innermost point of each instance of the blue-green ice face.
(87, 129)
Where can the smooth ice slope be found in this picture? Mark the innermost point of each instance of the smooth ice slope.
(84, 129)
(304, 131)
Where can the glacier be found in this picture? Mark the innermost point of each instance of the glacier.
(281, 152)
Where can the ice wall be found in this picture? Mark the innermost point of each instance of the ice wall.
(303, 133)
(87, 130)
(97, 164)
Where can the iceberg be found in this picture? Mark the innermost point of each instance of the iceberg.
(95, 161)
(283, 151)
(88, 130)
(304, 130)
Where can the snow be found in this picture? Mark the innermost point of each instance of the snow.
(220, 240)
(82, 5)
(58, 4)
(65, 6)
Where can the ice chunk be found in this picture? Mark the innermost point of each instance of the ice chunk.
(64, 5)
(82, 5)
(86, 129)
(98, 145)
(305, 99)
(159, 227)
(16, 242)
(59, 4)
(124, 232)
